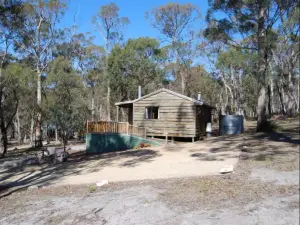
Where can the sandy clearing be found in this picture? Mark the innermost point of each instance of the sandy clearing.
(168, 161)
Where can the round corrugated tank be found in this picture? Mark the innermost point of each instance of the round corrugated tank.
(231, 124)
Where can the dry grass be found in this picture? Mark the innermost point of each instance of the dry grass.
(211, 192)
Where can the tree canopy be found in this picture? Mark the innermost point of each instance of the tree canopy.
(242, 56)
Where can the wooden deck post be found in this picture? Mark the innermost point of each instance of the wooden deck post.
(166, 138)
(87, 126)
(127, 128)
(117, 113)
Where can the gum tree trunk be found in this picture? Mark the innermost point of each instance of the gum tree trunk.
(93, 104)
(38, 128)
(263, 55)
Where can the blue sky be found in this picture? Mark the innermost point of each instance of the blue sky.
(133, 9)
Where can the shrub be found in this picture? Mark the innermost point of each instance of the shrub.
(92, 188)
(271, 126)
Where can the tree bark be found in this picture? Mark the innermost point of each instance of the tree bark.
(281, 96)
(108, 109)
(182, 78)
(261, 109)
(263, 56)
(64, 139)
(38, 127)
(269, 101)
(48, 134)
(272, 94)
(93, 104)
(32, 139)
(13, 132)
(3, 141)
(108, 102)
(25, 138)
(56, 135)
(291, 101)
(298, 95)
(18, 126)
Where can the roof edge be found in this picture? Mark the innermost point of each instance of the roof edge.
(196, 102)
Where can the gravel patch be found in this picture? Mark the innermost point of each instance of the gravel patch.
(279, 177)
(152, 202)
(273, 211)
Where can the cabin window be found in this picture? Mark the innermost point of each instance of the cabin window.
(151, 113)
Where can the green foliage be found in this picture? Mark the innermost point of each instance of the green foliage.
(232, 56)
(39, 23)
(110, 23)
(172, 18)
(66, 97)
(13, 85)
(241, 17)
(137, 63)
(175, 21)
(92, 188)
(79, 78)
(201, 81)
(11, 18)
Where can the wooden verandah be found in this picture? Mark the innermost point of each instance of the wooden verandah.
(121, 128)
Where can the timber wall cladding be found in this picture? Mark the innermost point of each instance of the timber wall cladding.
(176, 115)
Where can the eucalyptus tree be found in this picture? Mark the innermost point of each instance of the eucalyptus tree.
(67, 105)
(14, 81)
(110, 26)
(285, 59)
(174, 21)
(138, 62)
(11, 21)
(36, 40)
(229, 21)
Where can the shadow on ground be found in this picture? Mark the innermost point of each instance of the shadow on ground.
(78, 163)
(247, 146)
(255, 146)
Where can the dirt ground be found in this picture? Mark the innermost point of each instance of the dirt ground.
(170, 161)
(264, 189)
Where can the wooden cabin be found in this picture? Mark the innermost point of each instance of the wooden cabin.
(167, 113)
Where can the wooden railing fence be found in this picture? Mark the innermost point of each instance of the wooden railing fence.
(120, 128)
(106, 127)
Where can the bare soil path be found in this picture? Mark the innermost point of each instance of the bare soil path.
(167, 161)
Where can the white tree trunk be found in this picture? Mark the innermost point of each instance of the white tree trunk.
(261, 102)
(56, 135)
(108, 102)
(261, 106)
(25, 137)
(272, 94)
(18, 126)
(93, 104)
(182, 79)
(32, 132)
(38, 128)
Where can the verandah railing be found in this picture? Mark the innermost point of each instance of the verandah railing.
(106, 127)
(119, 128)
(125, 128)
